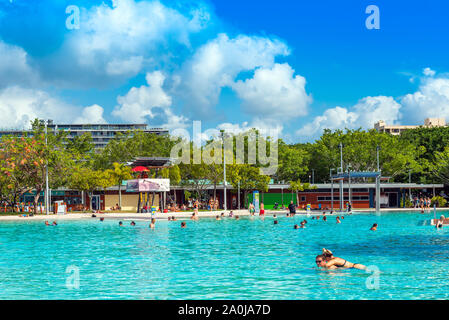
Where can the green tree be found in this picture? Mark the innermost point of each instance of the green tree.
(120, 173)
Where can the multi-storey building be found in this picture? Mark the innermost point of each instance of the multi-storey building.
(101, 133)
(381, 126)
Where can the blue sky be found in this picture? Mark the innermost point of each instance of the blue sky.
(294, 66)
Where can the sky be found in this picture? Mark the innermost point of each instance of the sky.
(293, 67)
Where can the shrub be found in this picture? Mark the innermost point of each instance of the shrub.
(440, 201)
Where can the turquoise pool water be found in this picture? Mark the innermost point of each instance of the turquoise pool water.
(248, 258)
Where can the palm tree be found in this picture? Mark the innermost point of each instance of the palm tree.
(119, 174)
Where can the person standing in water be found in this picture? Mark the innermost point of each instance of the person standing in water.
(292, 208)
(251, 209)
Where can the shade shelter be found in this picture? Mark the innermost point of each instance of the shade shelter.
(144, 164)
(342, 176)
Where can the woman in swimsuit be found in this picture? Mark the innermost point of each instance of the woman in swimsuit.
(328, 261)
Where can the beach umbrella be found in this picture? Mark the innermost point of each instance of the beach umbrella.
(140, 169)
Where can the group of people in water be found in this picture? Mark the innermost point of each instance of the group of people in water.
(324, 260)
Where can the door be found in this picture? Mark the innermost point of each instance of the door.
(96, 202)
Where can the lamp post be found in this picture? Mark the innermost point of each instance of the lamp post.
(332, 189)
(341, 180)
(378, 165)
(349, 183)
(46, 172)
(224, 171)
(313, 176)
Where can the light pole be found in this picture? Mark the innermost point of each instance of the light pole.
(224, 171)
(341, 180)
(313, 176)
(332, 189)
(349, 184)
(378, 165)
(46, 172)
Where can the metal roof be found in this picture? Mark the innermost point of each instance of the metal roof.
(151, 162)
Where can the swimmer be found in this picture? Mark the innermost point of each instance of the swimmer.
(328, 261)
(194, 216)
(231, 214)
(295, 226)
(274, 216)
(222, 214)
(93, 215)
(173, 218)
(440, 222)
(54, 223)
(374, 227)
(120, 223)
(313, 218)
(102, 219)
(217, 218)
(338, 220)
(318, 217)
(275, 222)
(153, 223)
(46, 223)
(169, 218)
(303, 225)
(183, 224)
(133, 223)
(342, 217)
(324, 218)
(237, 217)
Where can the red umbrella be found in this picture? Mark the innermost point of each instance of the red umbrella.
(140, 169)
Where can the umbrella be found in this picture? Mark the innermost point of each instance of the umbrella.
(140, 169)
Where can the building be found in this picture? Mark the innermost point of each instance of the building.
(381, 126)
(101, 133)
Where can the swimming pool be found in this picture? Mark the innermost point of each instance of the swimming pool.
(248, 258)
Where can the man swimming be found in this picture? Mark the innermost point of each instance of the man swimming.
(328, 261)
(374, 227)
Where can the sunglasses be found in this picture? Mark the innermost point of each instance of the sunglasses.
(319, 261)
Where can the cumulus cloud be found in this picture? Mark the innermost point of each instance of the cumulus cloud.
(362, 115)
(19, 106)
(148, 102)
(118, 41)
(217, 64)
(91, 114)
(431, 100)
(274, 92)
(14, 67)
(428, 72)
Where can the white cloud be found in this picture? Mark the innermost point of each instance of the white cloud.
(362, 115)
(19, 106)
(217, 64)
(14, 67)
(92, 114)
(431, 100)
(428, 72)
(148, 102)
(274, 92)
(119, 40)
